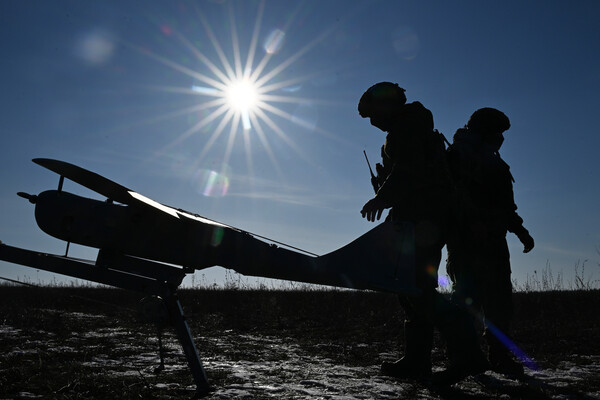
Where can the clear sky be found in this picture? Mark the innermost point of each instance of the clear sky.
(131, 89)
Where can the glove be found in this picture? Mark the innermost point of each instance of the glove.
(373, 209)
(525, 239)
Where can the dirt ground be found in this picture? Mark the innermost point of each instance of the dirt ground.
(73, 343)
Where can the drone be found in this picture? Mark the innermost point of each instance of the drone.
(148, 247)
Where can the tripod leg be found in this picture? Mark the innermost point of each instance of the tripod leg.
(187, 342)
(161, 351)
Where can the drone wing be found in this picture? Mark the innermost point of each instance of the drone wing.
(102, 185)
(88, 179)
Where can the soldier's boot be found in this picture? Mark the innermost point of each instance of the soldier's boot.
(500, 358)
(416, 363)
(465, 357)
(470, 363)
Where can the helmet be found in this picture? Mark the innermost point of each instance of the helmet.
(379, 96)
(488, 120)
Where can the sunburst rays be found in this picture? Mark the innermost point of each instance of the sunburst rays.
(240, 93)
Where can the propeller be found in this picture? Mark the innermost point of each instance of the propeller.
(31, 197)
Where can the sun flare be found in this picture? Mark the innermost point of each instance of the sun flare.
(242, 95)
(242, 98)
(237, 89)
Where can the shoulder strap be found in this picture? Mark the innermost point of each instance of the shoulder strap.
(507, 167)
(441, 135)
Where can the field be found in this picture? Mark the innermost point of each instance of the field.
(73, 343)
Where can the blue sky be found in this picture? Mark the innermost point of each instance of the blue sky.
(124, 88)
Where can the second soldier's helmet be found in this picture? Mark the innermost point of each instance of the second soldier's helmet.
(488, 120)
(382, 95)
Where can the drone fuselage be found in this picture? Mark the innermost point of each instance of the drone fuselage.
(378, 260)
(146, 233)
(127, 230)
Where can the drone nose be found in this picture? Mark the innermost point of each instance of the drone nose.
(32, 198)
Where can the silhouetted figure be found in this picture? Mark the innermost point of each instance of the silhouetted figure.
(417, 187)
(478, 258)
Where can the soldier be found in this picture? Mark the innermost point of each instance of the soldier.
(478, 258)
(418, 189)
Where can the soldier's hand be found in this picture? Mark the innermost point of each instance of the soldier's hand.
(526, 240)
(373, 209)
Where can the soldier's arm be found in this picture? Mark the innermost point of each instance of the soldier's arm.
(515, 225)
(386, 196)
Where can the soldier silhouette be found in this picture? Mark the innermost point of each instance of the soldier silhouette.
(478, 257)
(417, 186)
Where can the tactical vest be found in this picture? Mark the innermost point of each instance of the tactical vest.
(419, 182)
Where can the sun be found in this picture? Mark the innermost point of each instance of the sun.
(243, 98)
(242, 95)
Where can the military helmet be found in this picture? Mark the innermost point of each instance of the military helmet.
(488, 120)
(381, 95)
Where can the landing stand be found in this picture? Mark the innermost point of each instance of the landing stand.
(125, 272)
(187, 343)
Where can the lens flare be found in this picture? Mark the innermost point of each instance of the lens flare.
(405, 42)
(501, 336)
(274, 41)
(431, 270)
(217, 236)
(210, 183)
(443, 281)
(96, 48)
(510, 345)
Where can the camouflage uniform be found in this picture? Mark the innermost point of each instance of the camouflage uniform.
(478, 257)
(417, 186)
